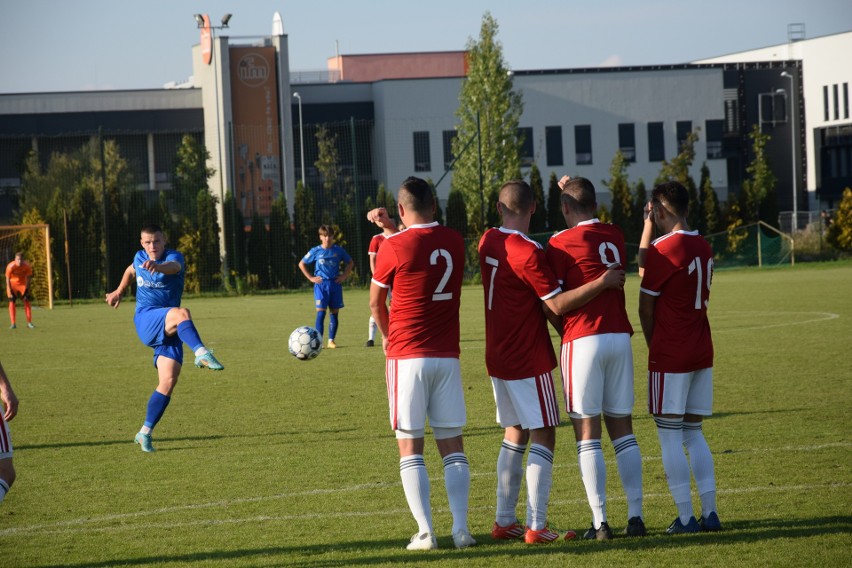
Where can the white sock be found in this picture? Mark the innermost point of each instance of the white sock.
(629, 461)
(457, 482)
(371, 329)
(145, 430)
(510, 473)
(4, 488)
(539, 481)
(675, 464)
(593, 471)
(701, 461)
(200, 351)
(415, 483)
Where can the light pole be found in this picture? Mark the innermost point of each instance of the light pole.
(795, 224)
(301, 138)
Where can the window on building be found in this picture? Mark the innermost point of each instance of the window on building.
(772, 108)
(583, 143)
(684, 127)
(656, 142)
(715, 131)
(627, 141)
(422, 156)
(449, 136)
(825, 102)
(731, 116)
(525, 135)
(836, 102)
(553, 141)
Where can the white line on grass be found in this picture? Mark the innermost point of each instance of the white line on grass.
(821, 316)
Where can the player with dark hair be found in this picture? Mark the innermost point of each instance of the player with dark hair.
(160, 321)
(10, 409)
(424, 264)
(19, 273)
(328, 292)
(373, 249)
(597, 358)
(676, 270)
(520, 360)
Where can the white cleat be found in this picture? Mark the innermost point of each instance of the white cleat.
(423, 541)
(462, 539)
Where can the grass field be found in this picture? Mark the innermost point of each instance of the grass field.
(276, 462)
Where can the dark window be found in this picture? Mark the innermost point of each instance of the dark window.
(684, 127)
(825, 102)
(422, 156)
(836, 103)
(553, 141)
(449, 136)
(773, 108)
(715, 130)
(845, 100)
(583, 143)
(525, 136)
(627, 141)
(656, 142)
(731, 117)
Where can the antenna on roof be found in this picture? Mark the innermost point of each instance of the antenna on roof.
(795, 32)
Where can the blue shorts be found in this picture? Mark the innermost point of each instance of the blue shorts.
(151, 329)
(328, 294)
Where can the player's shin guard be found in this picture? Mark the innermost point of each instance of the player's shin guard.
(415, 484)
(701, 461)
(13, 312)
(332, 326)
(188, 334)
(539, 481)
(593, 471)
(319, 324)
(156, 407)
(629, 461)
(675, 464)
(510, 474)
(457, 483)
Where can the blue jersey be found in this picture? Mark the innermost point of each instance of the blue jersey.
(327, 261)
(156, 290)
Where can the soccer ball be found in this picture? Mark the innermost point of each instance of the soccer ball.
(305, 343)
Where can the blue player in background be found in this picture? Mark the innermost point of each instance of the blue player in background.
(160, 321)
(328, 292)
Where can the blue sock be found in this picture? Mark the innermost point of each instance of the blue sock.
(320, 323)
(189, 335)
(156, 407)
(332, 326)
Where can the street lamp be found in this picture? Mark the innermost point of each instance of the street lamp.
(793, 147)
(301, 138)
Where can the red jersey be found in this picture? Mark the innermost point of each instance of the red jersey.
(16, 275)
(424, 264)
(375, 243)
(516, 279)
(678, 271)
(579, 255)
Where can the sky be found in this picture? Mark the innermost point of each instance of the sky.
(78, 45)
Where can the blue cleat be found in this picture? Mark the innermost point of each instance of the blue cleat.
(144, 440)
(711, 523)
(678, 527)
(208, 361)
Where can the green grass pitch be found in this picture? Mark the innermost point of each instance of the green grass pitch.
(277, 462)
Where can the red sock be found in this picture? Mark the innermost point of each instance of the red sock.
(28, 310)
(12, 312)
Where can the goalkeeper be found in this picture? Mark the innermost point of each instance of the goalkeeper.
(19, 273)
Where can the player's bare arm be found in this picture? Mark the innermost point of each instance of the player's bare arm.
(569, 300)
(379, 311)
(170, 267)
(311, 278)
(647, 236)
(346, 272)
(647, 303)
(114, 298)
(7, 395)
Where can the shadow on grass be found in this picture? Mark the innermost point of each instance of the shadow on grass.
(392, 551)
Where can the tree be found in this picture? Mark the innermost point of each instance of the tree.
(439, 213)
(760, 184)
(491, 109)
(538, 222)
(555, 220)
(257, 252)
(712, 220)
(281, 255)
(328, 166)
(191, 175)
(304, 219)
(456, 212)
(235, 238)
(839, 233)
(206, 227)
(678, 170)
(622, 200)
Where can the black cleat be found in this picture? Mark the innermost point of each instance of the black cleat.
(603, 533)
(635, 527)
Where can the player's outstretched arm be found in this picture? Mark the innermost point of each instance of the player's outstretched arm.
(570, 300)
(647, 303)
(7, 395)
(647, 236)
(380, 217)
(113, 298)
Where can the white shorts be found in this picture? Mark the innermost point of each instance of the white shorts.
(597, 375)
(530, 403)
(681, 393)
(5, 438)
(426, 387)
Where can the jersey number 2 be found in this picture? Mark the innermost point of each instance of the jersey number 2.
(439, 294)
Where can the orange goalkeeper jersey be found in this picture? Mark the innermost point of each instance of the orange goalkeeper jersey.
(17, 275)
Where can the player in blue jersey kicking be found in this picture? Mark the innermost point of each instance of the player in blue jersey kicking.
(327, 278)
(160, 321)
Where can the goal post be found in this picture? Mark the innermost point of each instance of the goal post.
(34, 242)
